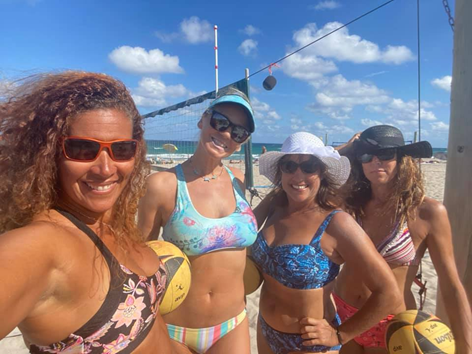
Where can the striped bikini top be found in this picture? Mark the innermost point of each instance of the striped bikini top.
(126, 316)
(196, 234)
(397, 248)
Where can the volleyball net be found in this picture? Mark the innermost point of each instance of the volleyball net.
(172, 134)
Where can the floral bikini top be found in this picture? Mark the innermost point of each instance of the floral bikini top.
(126, 316)
(195, 234)
(297, 266)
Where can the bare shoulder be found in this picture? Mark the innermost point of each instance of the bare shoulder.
(342, 225)
(431, 209)
(162, 183)
(35, 240)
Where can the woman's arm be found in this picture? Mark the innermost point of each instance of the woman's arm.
(158, 191)
(439, 242)
(359, 254)
(346, 148)
(27, 265)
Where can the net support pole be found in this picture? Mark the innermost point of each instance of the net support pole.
(216, 60)
(249, 174)
(457, 194)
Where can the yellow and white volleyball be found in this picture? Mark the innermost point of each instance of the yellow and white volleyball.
(178, 274)
(252, 276)
(415, 331)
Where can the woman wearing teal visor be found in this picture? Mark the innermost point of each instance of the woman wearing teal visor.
(201, 207)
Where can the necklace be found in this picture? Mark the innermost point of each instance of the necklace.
(206, 178)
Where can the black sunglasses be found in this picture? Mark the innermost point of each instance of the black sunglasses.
(382, 155)
(308, 167)
(221, 123)
(82, 149)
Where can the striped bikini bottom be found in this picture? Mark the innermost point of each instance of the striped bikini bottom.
(201, 339)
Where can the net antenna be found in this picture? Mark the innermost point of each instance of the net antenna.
(216, 60)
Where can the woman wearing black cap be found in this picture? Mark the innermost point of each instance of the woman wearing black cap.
(201, 208)
(386, 196)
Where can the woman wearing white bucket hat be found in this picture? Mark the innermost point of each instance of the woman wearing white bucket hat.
(296, 313)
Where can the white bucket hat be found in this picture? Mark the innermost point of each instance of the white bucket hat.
(303, 143)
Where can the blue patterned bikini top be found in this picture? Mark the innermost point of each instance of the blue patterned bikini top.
(297, 266)
(196, 234)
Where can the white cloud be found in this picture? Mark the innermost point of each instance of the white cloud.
(404, 113)
(443, 83)
(295, 121)
(138, 61)
(345, 47)
(338, 96)
(370, 122)
(248, 47)
(167, 37)
(196, 31)
(250, 30)
(439, 126)
(192, 30)
(327, 5)
(153, 92)
(264, 113)
(376, 73)
(307, 68)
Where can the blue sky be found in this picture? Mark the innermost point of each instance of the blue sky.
(365, 74)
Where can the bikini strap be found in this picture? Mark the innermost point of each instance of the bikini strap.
(182, 193)
(323, 226)
(239, 193)
(112, 262)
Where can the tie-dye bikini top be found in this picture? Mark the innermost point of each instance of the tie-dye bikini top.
(126, 316)
(195, 234)
(297, 266)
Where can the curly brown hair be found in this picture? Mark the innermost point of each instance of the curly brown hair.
(407, 190)
(33, 119)
(328, 196)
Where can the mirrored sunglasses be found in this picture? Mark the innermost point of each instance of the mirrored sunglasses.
(308, 167)
(82, 149)
(221, 123)
(382, 155)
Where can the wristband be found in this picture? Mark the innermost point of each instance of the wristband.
(339, 336)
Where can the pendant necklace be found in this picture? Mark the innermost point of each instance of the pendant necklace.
(207, 178)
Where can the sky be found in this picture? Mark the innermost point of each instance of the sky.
(365, 74)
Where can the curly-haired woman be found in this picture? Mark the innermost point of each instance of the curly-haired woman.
(76, 274)
(386, 196)
(305, 239)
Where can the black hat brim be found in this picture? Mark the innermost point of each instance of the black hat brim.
(421, 149)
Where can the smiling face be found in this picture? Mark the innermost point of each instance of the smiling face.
(219, 144)
(94, 187)
(300, 186)
(380, 172)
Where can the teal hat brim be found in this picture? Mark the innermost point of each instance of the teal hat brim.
(241, 101)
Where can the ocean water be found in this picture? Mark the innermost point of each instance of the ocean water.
(186, 148)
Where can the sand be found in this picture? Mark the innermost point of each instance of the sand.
(434, 174)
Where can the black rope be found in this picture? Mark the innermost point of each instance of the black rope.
(326, 35)
(254, 193)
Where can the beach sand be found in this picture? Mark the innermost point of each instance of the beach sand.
(434, 175)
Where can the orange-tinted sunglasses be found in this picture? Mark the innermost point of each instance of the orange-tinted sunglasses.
(77, 148)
